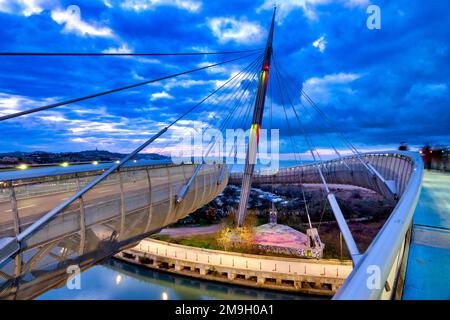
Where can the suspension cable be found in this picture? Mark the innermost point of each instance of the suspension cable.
(219, 96)
(49, 215)
(84, 54)
(308, 142)
(311, 115)
(231, 113)
(352, 148)
(62, 103)
(244, 120)
(290, 133)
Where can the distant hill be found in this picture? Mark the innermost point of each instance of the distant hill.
(42, 157)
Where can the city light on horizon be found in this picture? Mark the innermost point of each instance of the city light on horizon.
(22, 166)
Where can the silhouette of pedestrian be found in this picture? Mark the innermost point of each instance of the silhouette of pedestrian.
(427, 156)
(403, 146)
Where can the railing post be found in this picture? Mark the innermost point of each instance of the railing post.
(82, 220)
(169, 184)
(122, 205)
(14, 210)
(150, 205)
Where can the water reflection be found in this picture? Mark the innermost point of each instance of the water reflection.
(115, 280)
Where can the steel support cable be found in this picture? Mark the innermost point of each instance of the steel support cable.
(217, 100)
(213, 141)
(366, 164)
(323, 115)
(295, 111)
(82, 54)
(325, 194)
(235, 91)
(323, 212)
(49, 215)
(230, 115)
(296, 148)
(326, 191)
(326, 118)
(219, 95)
(300, 175)
(245, 100)
(241, 93)
(235, 108)
(249, 96)
(333, 126)
(329, 140)
(244, 120)
(251, 72)
(271, 127)
(62, 103)
(298, 119)
(238, 96)
(308, 143)
(343, 226)
(310, 114)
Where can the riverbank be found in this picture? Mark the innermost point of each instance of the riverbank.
(307, 276)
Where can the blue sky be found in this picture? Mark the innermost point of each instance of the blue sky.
(380, 87)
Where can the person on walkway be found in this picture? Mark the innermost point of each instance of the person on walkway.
(403, 146)
(427, 154)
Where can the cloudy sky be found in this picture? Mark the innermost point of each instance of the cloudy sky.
(380, 87)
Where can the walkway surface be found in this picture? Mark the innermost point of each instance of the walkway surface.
(428, 270)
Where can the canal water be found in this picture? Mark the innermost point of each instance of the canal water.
(117, 280)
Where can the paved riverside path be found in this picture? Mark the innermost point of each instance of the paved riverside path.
(310, 267)
(428, 269)
(189, 231)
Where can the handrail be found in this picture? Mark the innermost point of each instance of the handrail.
(382, 253)
(379, 258)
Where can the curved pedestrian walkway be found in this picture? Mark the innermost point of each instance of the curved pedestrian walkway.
(428, 269)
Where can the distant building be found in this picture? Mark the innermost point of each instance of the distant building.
(9, 160)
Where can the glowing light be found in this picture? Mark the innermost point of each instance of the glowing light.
(95, 163)
(255, 130)
(22, 166)
(64, 164)
(134, 161)
(164, 295)
(118, 279)
(117, 161)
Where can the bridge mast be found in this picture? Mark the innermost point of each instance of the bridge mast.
(258, 111)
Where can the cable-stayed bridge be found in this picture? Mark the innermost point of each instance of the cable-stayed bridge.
(56, 217)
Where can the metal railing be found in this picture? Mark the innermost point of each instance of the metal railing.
(377, 272)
